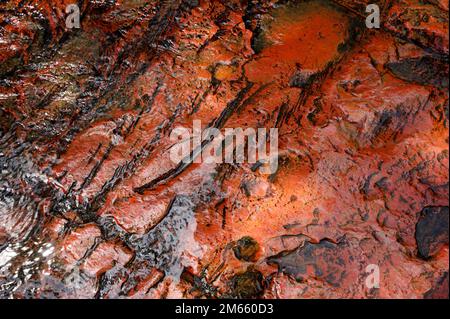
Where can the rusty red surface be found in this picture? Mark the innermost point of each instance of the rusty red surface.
(91, 206)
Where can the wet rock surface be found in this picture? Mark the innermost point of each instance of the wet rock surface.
(423, 70)
(246, 249)
(439, 290)
(247, 285)
(432, 231)
(91, 206)
(324, 260)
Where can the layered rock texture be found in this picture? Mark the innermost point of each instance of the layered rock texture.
(91, 206)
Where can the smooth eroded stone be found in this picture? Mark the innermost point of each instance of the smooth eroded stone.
(246, 249)
(432, 231)
(325, 260)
